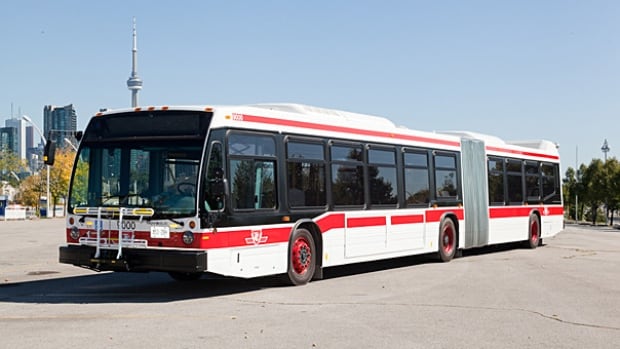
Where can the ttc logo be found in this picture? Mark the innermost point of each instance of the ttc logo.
(256, 238)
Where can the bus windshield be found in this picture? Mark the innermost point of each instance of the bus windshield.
(161, 175)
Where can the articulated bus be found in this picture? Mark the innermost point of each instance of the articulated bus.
(267, 189)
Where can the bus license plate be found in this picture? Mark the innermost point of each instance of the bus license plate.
(160, 232)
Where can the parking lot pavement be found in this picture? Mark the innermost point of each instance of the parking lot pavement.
(564, 294)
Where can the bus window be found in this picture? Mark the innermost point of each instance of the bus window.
(305, 171)
(446, 180)
(252, 171)
(551, 184)
(514, 176)
(347, 175)
(253, 184)
(532, 181)
(382, 177)
(496, 181)
(416, 178)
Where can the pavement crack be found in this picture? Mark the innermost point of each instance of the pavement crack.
(534, 312)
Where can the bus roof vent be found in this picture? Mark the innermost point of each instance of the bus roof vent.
(536, 144)
(473, 135)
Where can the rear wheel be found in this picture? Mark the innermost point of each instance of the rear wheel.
(301, 257)
(447, 240)
(534, 232)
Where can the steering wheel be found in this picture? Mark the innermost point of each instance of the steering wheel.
(186, 188)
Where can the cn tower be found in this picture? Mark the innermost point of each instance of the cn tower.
(134, 83)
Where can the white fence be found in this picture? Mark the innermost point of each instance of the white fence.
(14, 213)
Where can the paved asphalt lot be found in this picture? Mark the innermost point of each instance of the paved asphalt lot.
(565, 294)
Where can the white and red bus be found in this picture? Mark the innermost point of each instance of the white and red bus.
(248, 191)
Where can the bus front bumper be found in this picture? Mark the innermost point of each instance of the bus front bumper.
(134, 259)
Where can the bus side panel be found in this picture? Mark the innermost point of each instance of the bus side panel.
(508, 229)
(553, 221)
(406, 231)
(365, 233)
(249, 262)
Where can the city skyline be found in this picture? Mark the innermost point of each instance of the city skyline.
(525, 70)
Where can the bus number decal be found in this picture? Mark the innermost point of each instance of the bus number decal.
(126, 225)
(237, 117)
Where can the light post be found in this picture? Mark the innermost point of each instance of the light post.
(605, 148)
(47, 167)
(71, 144)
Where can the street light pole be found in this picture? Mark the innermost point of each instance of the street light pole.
(605, 148)
(71, 144)
(47, 167)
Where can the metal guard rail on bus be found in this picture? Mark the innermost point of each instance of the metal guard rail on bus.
(111, 211)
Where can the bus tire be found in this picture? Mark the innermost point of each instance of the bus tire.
(533, 236)
(447, 240)
(183, 276)
(301, 257)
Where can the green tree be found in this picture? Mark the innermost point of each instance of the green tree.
(60, 175)
(30, 190)
(594, 184)
(569, 192)
(611, 197)
(10, 166)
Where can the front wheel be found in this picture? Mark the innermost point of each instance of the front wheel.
(447, 240)
(301, 257)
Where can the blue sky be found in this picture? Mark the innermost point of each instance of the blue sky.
(517, 69)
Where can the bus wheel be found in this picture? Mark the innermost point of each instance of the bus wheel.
(181, 276)
(301, 255)
(447, 240)
(533, 238)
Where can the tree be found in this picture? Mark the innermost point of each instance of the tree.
(569, 191)
(593, 180)
(10, 166)
(60, 175)
(30, 190)
(611, 194)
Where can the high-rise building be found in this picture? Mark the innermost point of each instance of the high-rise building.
(60, 123)
(20, 136)
(8, 139)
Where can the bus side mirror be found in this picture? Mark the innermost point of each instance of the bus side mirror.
(49, 153)
(217, 186)
(78, 135)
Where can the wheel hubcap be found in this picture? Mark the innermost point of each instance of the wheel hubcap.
(534, 231)
(448, 240)
(302, 255)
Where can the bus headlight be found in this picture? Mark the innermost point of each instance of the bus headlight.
(188, 237)
(75, 233)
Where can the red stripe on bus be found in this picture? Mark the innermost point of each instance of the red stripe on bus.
(409, 219)
(556, 210)
(504, 212)
(436, 214)
(524, 211)
(343, 129)
(359, 222)
(246, 237)
(331, 221)
(519, 152)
